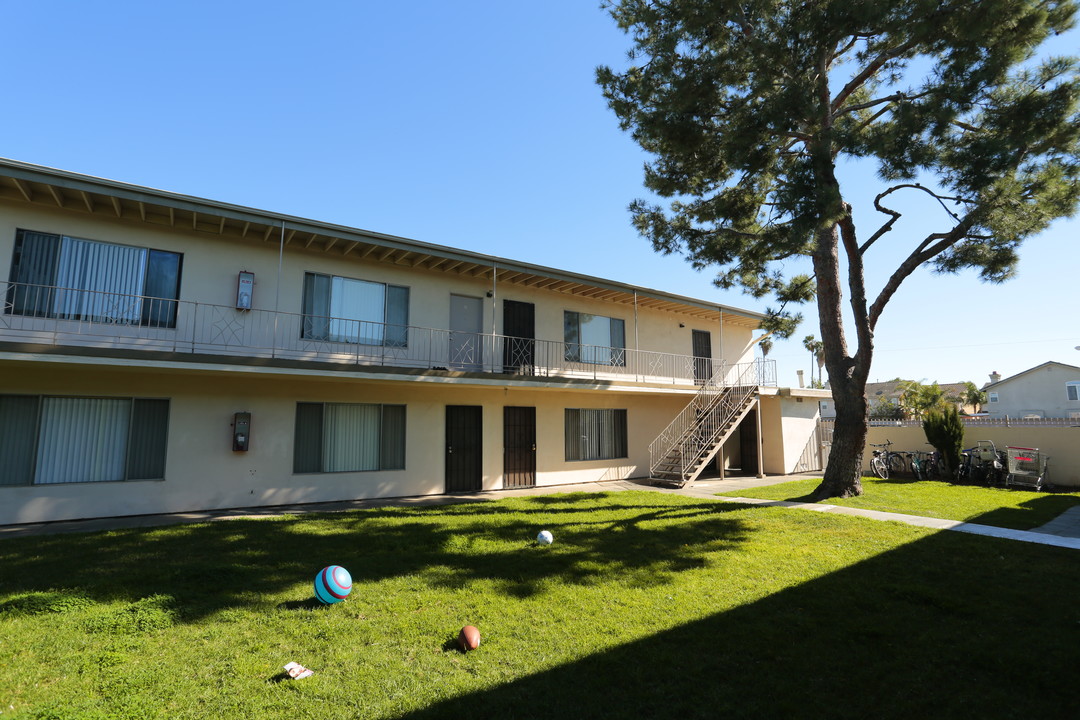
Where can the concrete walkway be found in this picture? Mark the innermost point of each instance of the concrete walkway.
(1063, 531)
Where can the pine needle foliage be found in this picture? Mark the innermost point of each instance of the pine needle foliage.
(746, 109)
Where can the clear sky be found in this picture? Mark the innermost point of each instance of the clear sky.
(471, 124)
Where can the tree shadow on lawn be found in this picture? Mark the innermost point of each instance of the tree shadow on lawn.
(1032, 513)
(243, 563)
(950, 625)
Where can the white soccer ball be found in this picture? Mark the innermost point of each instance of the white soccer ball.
(545, 538)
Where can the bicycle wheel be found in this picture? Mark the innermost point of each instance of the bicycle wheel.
(917, 469)
(933, 469)
(896, 462)
(879, 468)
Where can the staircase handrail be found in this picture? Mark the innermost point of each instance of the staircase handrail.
(693, 447)
(703, 408)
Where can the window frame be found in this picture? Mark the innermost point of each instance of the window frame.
(992, 397)
(577, 445)
(320, 326)
(310, 435)
(573, 346)
(30, 260)
(1074, 386)
(142, 438)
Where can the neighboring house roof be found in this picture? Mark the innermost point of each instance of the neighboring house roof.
(895, 388)
(37, 184)
(989, 386)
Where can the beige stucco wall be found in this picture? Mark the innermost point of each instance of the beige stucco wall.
(202, 471)
(211, 265)
(1040, 393)
(1061, 443)
(787, 425)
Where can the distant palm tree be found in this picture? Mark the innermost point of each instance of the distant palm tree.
(817, 355)
(973, 396)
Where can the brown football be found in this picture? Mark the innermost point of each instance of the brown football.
(469, 638)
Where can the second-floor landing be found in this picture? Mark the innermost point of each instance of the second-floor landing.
(48, 324)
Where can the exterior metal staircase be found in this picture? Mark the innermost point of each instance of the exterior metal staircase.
(682, 451)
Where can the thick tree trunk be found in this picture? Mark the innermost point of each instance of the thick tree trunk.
(843, 475)
(847, 374)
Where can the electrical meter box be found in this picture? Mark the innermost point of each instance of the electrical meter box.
(241, 431)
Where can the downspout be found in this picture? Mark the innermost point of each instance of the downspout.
(723, 357)
(494, 274)
(637, 345)
(277, 291)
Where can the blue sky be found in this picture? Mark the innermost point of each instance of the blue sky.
(471, 124)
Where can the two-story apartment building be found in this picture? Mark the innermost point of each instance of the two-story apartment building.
(163, 353)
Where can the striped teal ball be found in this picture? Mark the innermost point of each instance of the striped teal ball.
(332, 584)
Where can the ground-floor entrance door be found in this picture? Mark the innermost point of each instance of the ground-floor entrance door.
(464, 448)
(519, 447)
(748, 444)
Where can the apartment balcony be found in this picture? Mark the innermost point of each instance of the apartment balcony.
(95, 321)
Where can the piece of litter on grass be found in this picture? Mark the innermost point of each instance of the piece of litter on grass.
(297, 671)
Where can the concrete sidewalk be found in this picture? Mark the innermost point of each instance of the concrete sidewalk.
(1063, 531)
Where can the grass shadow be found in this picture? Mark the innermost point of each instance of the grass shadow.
(1031, 513)
(947, 626)
(206, 568)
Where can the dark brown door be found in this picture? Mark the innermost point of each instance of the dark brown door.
(519, 446)
(703, 369)
(464, 446)
(748, 444)
(519, 327)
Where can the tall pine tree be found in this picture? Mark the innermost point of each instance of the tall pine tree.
(747, 107)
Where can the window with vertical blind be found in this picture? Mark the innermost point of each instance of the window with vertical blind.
(47, 440)
(595, 434)
(594, 339)
(76, 279)
(348, 437)
(344, 310)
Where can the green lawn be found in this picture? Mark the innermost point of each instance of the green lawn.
(647, 606)
(1000, 507)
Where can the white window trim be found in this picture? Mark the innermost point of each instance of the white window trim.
(1069, 386)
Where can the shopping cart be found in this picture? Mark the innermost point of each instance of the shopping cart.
(1026, 466)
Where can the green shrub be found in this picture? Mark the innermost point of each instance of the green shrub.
(946, 433)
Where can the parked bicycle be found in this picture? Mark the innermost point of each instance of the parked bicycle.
(916, 462)
(885, 460)
(983, 463)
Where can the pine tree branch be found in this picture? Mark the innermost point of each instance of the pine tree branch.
(896, 215)
(879, 101)
(927, 249)
(869, 71)
(857, 285)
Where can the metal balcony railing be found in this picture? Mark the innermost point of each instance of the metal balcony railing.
(69, 317)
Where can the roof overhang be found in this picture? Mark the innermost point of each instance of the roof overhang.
(43, 186)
